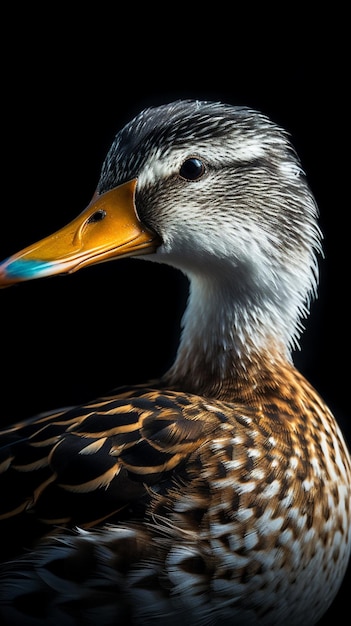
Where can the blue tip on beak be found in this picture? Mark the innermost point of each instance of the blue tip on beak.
(22, 269)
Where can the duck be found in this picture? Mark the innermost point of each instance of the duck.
(221, 492)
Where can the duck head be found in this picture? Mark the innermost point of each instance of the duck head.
(215, 190)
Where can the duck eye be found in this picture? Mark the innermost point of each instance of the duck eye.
(192, 169)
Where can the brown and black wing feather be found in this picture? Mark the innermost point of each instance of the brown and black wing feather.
(98, 462)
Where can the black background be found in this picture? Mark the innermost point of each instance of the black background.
(68, 84)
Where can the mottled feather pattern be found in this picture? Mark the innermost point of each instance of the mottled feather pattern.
(223, 482)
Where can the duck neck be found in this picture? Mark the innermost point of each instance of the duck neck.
(227, 350)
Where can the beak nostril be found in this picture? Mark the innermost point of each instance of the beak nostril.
(97, 216)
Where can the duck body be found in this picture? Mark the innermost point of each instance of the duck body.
(220, 494)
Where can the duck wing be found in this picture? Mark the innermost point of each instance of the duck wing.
(84, 465)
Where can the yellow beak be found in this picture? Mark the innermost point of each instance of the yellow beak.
(108, 228)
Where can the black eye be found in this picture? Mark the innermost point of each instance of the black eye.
(192, 169)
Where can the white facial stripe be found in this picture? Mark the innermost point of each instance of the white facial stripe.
(157, 167)
(248, 150)
(160, 165)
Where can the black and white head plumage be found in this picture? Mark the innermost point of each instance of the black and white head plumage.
(246, 227)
